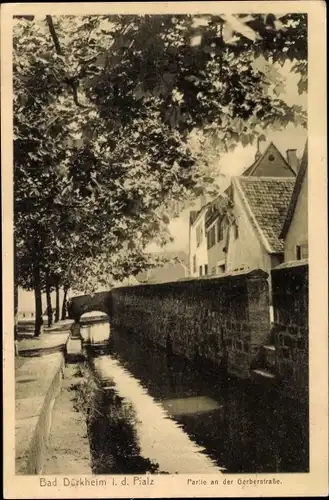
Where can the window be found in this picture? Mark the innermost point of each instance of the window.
(221, 269)
(199, 235)
(302, 251)
(220, 232)
(200, 271)
(211, 237)
(236, 231)
(194, 263)
(298, 252)
(206, 269)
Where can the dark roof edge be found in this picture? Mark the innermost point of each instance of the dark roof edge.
(295, 193)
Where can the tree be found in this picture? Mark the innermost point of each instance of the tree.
(37, 151)
(104, 109)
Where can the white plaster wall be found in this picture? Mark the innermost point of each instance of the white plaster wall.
(216, 254)
(298, 231)
(245, 251)
(199, 251)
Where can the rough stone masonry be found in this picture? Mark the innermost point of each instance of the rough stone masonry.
(291, 328)
(220, 320)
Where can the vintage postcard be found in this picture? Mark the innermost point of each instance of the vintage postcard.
(164, 219)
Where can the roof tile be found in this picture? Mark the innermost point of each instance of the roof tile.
(268, 199)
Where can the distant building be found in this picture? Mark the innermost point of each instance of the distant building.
(175, 269)
(260, 208)
(129, 281)
(26, 302)
(295, 227)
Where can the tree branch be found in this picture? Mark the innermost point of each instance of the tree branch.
(53, 34)
(73, 83)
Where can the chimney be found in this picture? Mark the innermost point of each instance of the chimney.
(193, 216)
(292, 159)
(258, 153)
(203, 200)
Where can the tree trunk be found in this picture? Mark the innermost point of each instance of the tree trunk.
(64, 306)
(57, 303)
(38, 302)
(49, 306)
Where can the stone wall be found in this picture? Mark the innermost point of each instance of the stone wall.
(222, 320)
(98, 301)
(290, 329)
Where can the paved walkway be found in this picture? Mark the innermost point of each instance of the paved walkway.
(38, 374)
(37, 383)
(52, 339)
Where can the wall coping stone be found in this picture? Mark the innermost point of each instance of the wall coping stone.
(291, 264)
(91, 295)
(254, 273)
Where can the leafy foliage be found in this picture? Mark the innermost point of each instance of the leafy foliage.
(104, 110)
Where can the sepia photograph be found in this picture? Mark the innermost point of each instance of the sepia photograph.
(160, 248)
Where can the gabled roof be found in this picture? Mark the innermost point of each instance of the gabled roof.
(252, 169)
(195, 215)
(266, 200)
(294, 197)
(249, 172)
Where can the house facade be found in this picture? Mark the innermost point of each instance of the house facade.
(217, 224)
(198, 255)
(295, 227)
(219, 227)
(260, 208)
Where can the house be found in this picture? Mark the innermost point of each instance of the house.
(295, 228)
(217, 223)
(175, 269)
(198, 253)
(260, 208)
(270, 163)
(129, 281)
